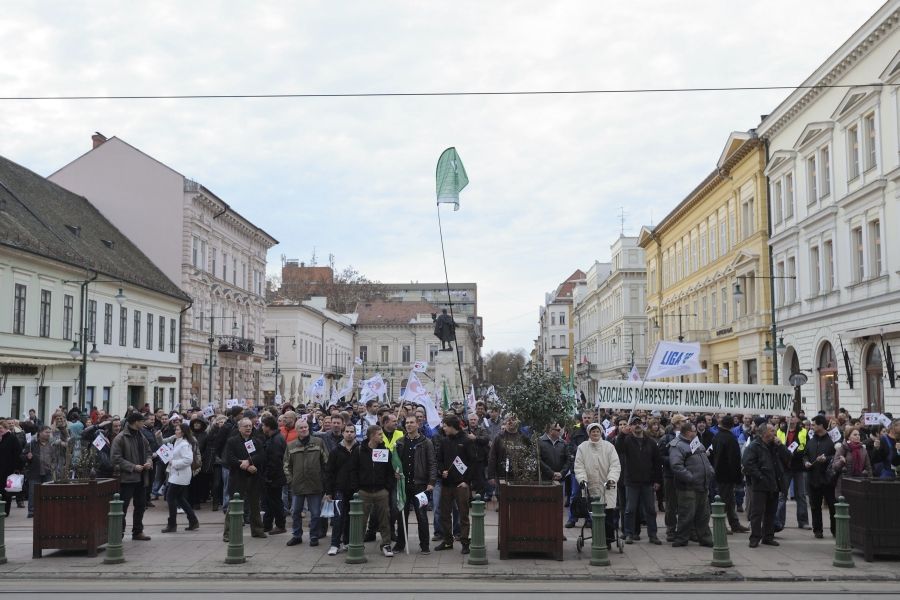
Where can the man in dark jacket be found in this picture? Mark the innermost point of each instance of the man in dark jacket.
(554, 454)
(375, 476)
(669, 492)
(245, 457)
(10, 460)
(228, 428)
(643, 476)
(454, 454)
(577, 436)
(481, 439)
(693, 476)
(819, 454)
(132, 456)
(340, 484)
(726, 460)
(763, 463)
(274, 521)
(416, 454)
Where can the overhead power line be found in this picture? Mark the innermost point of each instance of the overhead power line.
(438, 94)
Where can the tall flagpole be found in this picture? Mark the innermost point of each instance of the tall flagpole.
(462, 381)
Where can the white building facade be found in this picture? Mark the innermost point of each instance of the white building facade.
(215, 255)
(304, 340)
(124, 330)
(834, 180)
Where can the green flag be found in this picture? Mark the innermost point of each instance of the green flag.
(450, 177)
(446, 400)
(401, 483)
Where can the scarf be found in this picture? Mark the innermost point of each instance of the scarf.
(857, 458)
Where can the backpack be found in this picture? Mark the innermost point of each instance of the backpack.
(197, 464)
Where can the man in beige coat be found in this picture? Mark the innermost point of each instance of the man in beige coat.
(597, 466)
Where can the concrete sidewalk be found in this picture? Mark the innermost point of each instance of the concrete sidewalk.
(201, 554)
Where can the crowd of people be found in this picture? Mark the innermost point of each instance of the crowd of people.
(309, 462)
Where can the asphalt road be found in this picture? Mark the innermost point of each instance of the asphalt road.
(361, 587)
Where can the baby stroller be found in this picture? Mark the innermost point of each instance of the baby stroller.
(582, 509)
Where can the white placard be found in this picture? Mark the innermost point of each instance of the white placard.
(420, 366)
(422, 497)
(871, 418)
(230, 403)
(835, 435)
(793, 447)
(250, 446)
(165, 453)
(460, 465)
(605, 424)
(696, 444)
(278, 399)
(100, 441)
(885, 421)
(209, 411)
(243, 403)
(28, 438)
(380, 455)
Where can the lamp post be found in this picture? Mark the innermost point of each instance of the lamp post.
(211, 339)
(780, 347)
(679, 315)
(277, 371)
(79, 345)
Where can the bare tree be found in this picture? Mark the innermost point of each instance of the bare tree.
(502, 368)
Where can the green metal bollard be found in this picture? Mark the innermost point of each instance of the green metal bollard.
(843, 556)
(114, 553)
(599, 552)
(2, 532)
(356, 552)
(721, 554)
(477, 552)
(235, 518)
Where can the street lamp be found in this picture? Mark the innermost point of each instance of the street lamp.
(780, 347)
(211, 362)
(79, 345)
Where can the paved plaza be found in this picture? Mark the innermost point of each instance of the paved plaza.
(201, 554)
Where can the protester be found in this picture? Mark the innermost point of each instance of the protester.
(887, 454)
(818, 455)
(245, 457)
(643, 474)
(179, 471)
(340, 483)
(763, 462)
(416, 454)
(374, 474)
(10, 460)
(304, 459)
(693, 475)
(132, 457)
(597, 467)
(274, 479)
(850, 459)
(577, 436)
(794, 475)
(453, 454)
(38, 456)
(670, 492)
(726, 461)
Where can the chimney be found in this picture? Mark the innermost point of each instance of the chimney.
(98, 138)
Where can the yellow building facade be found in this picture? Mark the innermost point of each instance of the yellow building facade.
(711, 245)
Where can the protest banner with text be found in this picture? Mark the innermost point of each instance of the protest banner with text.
(696, 397)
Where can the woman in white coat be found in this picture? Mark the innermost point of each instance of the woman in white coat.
(180, 471)
(597, 466)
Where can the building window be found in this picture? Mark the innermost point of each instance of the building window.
(162, 334)
(562, 318)
(461, 356)
(195, 252)
(107, 395)
(553, 341)
(107, 323)
(703, 260)
(92, 320)
(695, 252)
(732, 226)
(777, 199)
(233, 271)
(751, 375)
(724, 292)
(712, 239)
(791, 282)
(874, 380)
(812, 193)
(779, 283)
(723, 235)
(364, 353)
(172, 335)
(825, 169)
(828, 383)
(15, 407)
(136, 338)
(875, 247)
(123, 325)
(19, 309)
(853, 152)
(858, 253)
(224, 266)
(788, 195)
(748, 217)
(553, 318)
(714, 306)
(432, 352)
(149, 331)
(870, 154)
(269, 345)
(815, 280)
(406, 355)
(68, 314)
(215, 261)
(828, 266)
(45, 317)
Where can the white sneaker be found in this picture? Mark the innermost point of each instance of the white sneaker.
(386, 550)
(333, 551)
(179, 510)
(342, 548)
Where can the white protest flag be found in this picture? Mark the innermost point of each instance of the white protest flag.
(634, 375)
(416, 393)
(345, 391)
(470, 399)
(373, 387)
(357, 361)
(671, 359)
(420, 366)
(316, 390)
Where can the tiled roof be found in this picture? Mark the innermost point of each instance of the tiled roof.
(42, 218)
(381, 312)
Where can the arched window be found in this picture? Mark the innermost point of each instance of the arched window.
(874, 380)
(828, 384)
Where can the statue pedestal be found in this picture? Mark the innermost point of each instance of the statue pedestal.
(446, 369)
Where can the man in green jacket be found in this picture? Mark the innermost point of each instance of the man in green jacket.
(304, 461)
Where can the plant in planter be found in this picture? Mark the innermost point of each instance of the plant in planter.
(538, 398)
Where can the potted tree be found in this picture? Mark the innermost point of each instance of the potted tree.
(531, 508)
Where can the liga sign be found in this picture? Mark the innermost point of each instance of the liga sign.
(696, 397)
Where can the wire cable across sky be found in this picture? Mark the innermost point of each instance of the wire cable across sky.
(673, 90)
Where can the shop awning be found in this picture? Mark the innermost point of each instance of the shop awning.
(35, 362)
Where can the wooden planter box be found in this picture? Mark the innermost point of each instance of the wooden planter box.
(874, 518)
(72, 516)
(530, 519)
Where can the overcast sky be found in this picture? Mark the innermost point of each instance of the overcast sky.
(354, 177)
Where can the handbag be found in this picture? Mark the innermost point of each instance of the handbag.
(581, 503)
(14, 483)
(329, 509)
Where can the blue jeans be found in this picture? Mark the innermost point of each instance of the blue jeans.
(798, 479)
(33, 482)
(314, 505)
(436, 511)
(640, 499)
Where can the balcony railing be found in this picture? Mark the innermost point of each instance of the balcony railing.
(236, 345)
(336, 371)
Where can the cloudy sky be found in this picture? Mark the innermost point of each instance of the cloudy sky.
(354, 177)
